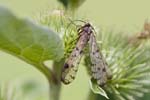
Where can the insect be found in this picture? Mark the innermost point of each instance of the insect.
(99, 67)
(70, 67)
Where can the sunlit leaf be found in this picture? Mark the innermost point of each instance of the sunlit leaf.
(30, 42)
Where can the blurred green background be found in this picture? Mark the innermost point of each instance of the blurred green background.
(122, 15)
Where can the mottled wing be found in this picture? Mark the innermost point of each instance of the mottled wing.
(99, 68)
(71, 65)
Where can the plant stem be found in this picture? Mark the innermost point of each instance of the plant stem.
(54, 78)
(54, 81)
(54, 91)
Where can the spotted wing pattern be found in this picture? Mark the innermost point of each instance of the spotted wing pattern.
(71, 65)
(99, 68)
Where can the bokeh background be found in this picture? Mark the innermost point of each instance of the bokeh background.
(121, 15)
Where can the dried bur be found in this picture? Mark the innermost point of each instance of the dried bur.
(143, 35)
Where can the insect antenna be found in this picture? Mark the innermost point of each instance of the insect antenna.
(77, 20)
(72, 22)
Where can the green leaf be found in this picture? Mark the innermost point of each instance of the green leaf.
(28, 41)
(97, 89)
(73, 4)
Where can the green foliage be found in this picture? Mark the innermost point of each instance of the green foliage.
(70, 40)
(27, 89)
(28, 41)
(73, 4)
(35, 44)
(57, 20)
(97, 90)
(129, 65)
